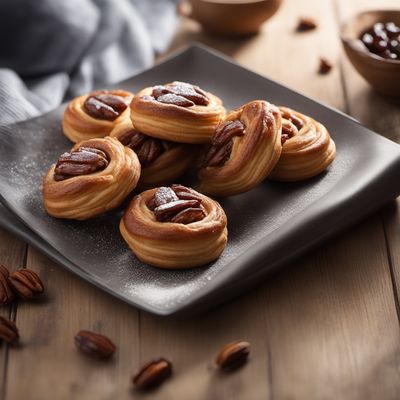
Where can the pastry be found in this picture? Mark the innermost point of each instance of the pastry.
(94, 115)
(244, 149)
(174, 227)
(177, 111)
(307, 148)
(94, 177)
(162, 161)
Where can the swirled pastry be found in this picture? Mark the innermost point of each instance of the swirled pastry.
(174, 227)
(95, 115)
(162, 161)
(245, 148)
(307, 148)
(178, 111)
(94, 177)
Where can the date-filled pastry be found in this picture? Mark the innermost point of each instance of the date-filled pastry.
(94, 115)
(162, 161)
(177, 111)
(307, 148)
(174, 227)
(244, 149)
(92, 178)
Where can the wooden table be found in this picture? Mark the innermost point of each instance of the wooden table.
(325, 327)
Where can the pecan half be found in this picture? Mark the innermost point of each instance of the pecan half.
(177, 204)
(233, 355)
(26, 283)
(222, 143)
(306, 24)
(94, 344)
(83, 161)
(324, 66)
(152, 374)
(105, 105)
(147, 149)
(181, 94)
(8, 331)
(291, 125)
(6, 294)
(167, 211)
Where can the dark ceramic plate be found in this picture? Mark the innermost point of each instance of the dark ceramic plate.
(268, 226)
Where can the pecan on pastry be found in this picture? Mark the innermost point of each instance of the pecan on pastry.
(307, 148)
(244, 149)
(162, 161)
(177, 111)
(174, 227)
(94, 115)
(91, 179)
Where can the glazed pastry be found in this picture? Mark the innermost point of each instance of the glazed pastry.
(307, 148)
(174, 227)
(95, 115)
(245, 148)
(178, 111)
(162, 161)
(91, 179)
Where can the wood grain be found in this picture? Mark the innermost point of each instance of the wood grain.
(47, 365)
(325, 327)
(12, 255)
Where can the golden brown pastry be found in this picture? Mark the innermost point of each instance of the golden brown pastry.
(91, 179)
(174, 227)
(307, 148)
(94, 115)
(177, 111)
(245, 148)
(162, 161)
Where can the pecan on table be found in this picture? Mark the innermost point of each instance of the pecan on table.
(306, 24)
(222, 143)
(181, 94)
(8, 331)
(152, 374)
(147, 149)
(233, 355)
(324, 66)
(103, 105)
(176, 204)
(83, 161)
(26, 283)
(6, 293)
(94, 344)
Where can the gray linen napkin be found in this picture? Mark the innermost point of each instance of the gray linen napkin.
(55, 49)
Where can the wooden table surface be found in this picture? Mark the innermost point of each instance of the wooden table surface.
(325, 327)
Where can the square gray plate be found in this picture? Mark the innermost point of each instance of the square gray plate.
(268, 226)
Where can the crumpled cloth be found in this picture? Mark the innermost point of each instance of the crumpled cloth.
(52, 50)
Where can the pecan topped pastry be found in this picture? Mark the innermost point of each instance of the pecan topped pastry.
(95, 115)
(244, 149)
(177, 111)
(307, 148)
(91, 179)
(162, 161)
(174, 227)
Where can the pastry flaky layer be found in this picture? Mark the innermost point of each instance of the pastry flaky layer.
(170, 165)
(86, 196)
(174, 245)
(78, 125)
(253, 155)
(307, 153)
(195, 124)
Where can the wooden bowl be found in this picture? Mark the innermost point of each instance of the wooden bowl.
(382, 74)
(231, 17)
